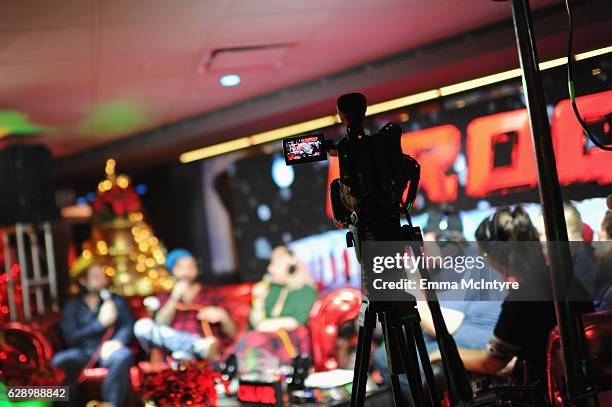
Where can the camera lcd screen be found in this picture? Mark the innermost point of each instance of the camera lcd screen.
(304, 149)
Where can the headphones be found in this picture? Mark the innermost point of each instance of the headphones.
(491, 227)
(491, 232)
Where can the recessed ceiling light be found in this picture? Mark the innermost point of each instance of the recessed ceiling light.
(229, 80)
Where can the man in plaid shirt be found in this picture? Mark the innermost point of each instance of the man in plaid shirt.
(190, 323)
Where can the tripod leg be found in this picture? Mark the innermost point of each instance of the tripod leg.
(396, 390)
(407, 351)
(362, 359)
(401, 357)
(395, 366)
(434, 396)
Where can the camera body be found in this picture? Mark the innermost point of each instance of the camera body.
(368, 198)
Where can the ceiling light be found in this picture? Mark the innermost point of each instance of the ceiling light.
(402, 102)
(594, 53)
(229, 80)
(215, 149)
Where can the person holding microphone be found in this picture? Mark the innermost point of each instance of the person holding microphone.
(96, 327)
(190, 321)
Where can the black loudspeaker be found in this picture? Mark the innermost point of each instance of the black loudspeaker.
(25, 191)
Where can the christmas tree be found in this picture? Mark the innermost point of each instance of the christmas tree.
(122, 242)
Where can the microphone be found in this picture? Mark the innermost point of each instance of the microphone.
(105, 295)
(152, 304)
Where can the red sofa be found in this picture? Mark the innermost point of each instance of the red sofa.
(598, 335)
(328, 313)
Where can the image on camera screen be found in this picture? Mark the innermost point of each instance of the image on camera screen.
(304, 149)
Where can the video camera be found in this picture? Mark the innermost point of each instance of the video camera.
(374, 173)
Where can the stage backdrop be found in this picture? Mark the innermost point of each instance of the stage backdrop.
(475, 151)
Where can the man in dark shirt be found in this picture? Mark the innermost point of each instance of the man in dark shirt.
(527, 314)
(96, 320)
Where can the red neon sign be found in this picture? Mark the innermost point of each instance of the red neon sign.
(483, 178)
(437, 148)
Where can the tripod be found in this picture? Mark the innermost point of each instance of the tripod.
(403, 338)
(405, 345)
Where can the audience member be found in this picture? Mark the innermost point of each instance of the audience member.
(470, 320)
(523, 325)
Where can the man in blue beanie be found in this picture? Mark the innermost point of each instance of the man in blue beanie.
(189, 322)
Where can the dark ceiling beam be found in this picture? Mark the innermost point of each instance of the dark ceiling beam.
(480, 52)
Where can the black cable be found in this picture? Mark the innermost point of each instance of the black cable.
(570, 79)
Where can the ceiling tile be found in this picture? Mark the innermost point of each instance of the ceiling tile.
(143, 88)
(152, 66)
(250, 7)
(45, 45)
(153, 38)
(130, 11)
(16, 76)
(268, 29)
(39, 14)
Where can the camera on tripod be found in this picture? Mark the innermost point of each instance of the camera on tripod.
(377, 183)
(374, 173)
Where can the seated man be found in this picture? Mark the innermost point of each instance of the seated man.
(523, 326)
(281, 306)
(190, 324)
(96, 320)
